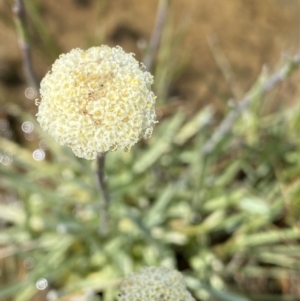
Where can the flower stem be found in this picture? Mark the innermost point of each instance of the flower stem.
(161, 16)
(23, 37)
(102, 187)
(241, 106)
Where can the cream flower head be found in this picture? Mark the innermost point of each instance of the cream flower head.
(154, 284)
(97, 100)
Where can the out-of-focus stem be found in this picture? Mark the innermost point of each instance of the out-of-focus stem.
(224, 66)
(23, 37)
(242, 105)
(156, 34)
(102, 187)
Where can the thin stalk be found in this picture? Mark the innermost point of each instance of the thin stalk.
(156, 34)
(102, 187)
(241, 106)
(23, 37)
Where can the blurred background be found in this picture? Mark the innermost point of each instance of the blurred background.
(228, 218)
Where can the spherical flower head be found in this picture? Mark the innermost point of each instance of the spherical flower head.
(97, 100)
(154, 284)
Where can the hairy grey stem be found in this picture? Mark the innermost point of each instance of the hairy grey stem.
(156, 34)
(23, 37)
(102, 187)
(243, 104)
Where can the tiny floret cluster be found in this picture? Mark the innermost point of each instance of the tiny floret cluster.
(97, 100)
(154, 284)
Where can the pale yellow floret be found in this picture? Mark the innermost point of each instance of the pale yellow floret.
(97, 100)
(154, 284)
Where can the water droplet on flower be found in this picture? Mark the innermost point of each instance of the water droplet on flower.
(43, 144)
(30, 93)
(27, 127)
(41, 284)
(38, 155)
(30, 136)
(196, 218)
(6, 134)
(52, 295)
(6, 160)
(29, 263)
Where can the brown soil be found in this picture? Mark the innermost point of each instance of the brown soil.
(249, 33)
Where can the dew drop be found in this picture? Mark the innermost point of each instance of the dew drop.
(27, 127)
(30, 136)
(196, 218)
(29, 263)
(41, 284)
(52, 295)
(6, 134)
(38, 155)
(6, 160)
(30, 93)
(43, 144)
